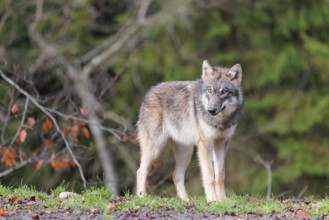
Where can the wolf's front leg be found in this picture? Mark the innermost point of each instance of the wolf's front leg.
(219, 167)
(207, 170)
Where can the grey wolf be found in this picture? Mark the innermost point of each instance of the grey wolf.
(202, 113)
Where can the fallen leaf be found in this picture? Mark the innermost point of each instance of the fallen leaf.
(14, 108)
(3, 211)
(31, 122)
(13, 199)
(303, 213)
(94, 210)
(110, 207)
(32, 198)
(35, 217)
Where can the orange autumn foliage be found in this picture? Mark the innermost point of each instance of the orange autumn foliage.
(47, 124)
(39, 164)
(85, 132)
(75, 129)
(21, 135)
(14, 108)
(48, 143)
(59, 163)
(31, 122)
(8, 156)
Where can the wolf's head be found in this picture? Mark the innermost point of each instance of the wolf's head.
(222, 90)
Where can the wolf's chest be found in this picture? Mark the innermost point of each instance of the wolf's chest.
(210, 133)
(189, 131)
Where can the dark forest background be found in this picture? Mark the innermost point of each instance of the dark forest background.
(88, 64)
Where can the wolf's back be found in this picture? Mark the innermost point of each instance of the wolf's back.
(165, 101)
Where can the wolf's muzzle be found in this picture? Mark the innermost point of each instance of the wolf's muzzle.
(215, 111)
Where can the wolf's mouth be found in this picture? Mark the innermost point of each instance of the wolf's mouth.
(222, 109)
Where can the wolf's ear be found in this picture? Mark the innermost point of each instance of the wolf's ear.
(235, 73)
(207, 69)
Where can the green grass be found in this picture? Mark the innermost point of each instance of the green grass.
(101, 197)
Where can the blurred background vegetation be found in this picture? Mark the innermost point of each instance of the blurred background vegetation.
(283, 47)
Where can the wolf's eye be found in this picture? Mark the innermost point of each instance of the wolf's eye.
(225, 91)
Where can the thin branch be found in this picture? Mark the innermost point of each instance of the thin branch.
(110, 130)
(102, 57)
(11, 102)
(267, 165)
(39, 106)
(82, 88)
(22, 122)
(114, 43)
(143, 10)
(18, 166)
(301, 193)
(111, 46)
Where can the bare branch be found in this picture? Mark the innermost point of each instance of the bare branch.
(117, 41)
(18, 166)
(82, 88)
(143, 10)
(267, 165)
(110, 130)
(114, 43)
(102, 57)
(39, 106)
(301, 193)
(7, 116)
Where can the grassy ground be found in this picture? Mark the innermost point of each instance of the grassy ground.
(26, 203)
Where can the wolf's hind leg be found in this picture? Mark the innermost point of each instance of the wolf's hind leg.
(150, 153)
(183, 155)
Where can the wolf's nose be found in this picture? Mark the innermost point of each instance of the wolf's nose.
(212, 111)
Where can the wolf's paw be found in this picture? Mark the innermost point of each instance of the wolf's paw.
(211, 198)
(184, 199)
(221, 197)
